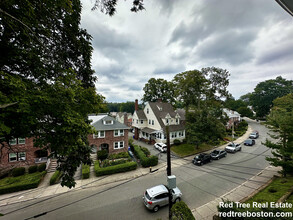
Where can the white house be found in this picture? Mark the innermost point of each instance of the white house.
(234, 117)
(150, 123)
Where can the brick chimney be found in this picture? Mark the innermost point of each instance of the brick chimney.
(136, 105)
(159, 100)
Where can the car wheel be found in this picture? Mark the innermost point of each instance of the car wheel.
(240, 149)
(177, 200)
(156, 208)
(201, 163)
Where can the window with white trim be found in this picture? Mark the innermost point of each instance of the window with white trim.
(153, 122)
(118, 145)
(12, 157)
(21, 156)
(118, 133)
(149, 121)
(148, 111)
(21, 140)
(141, 121)
(99, 134)
(13, 141)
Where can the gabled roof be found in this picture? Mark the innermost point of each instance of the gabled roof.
(161, 110)
(140, 114)
(98, 123)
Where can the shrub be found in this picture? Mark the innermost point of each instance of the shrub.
(33, 169)
(114, 169)
(102, 154)
(176, 142)
(27, 181)
(85, 171)
(118, 156)
(42, 167)
(55, 177)
(144, 160)
(18, 171)
(146, 151)
(180, 211)
(107, 163)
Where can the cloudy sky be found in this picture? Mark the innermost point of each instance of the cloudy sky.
(252, 39)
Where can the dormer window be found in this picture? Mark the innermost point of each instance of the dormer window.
(167, 121)
(148, 111)
(177, 121)
(108, 122)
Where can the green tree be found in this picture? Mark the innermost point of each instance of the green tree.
(127, 107)
(265, 92)
(280, 121)
(156, 89)
(109, 6)
(45, 71)
(201, 93)
(245, 112)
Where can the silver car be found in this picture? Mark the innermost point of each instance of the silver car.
(158, 196)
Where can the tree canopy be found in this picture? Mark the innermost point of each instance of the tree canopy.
(201, 93)
(47, 77)
(265, 92)
(156, 89)
(280, 121)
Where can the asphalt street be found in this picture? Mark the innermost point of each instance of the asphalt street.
(123, 200)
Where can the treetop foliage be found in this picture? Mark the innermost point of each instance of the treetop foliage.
(46, 80)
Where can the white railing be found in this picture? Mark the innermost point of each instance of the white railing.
(48, 163)
(41, 160)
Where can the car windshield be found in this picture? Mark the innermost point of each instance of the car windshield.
(215, 151)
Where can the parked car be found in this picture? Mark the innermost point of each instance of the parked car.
(249, 142)
(233, 147)
(254, 135)
(158, 196)
(201, 159)
(218, 154)
(161, 147)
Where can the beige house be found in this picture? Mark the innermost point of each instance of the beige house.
(150, 123)
(124, 118)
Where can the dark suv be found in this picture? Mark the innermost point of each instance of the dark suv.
(249, 142)
(201, 159)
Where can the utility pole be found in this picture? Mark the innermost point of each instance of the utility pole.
(169, 167)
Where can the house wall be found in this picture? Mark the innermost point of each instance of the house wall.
(151, 118)
(136, 122)
(110, 139)
(30, 155)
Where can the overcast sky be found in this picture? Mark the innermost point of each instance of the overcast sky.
(252, 39)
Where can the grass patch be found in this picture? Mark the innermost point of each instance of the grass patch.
(277, 188)
(26, 181)
(183, 150)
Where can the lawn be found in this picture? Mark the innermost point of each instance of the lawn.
(26, 181)
(183, 150)
(274, 191)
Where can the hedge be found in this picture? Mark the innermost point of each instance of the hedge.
(176, 142)
(42, 167)
(33, 169)
(18, 171)
(144, 160)
(55, 177)
(114, 169)
(85, 171)
(24, 182)
(180, 211)
(118, 156)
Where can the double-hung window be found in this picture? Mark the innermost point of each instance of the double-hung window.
(118, 133)
(118, 145)
(20, 156)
